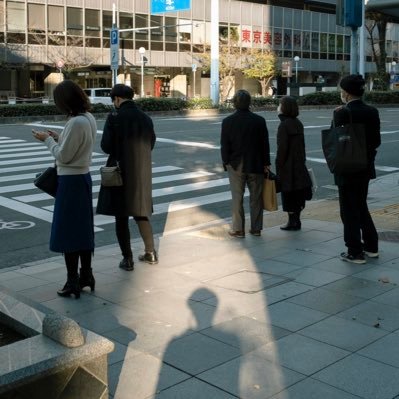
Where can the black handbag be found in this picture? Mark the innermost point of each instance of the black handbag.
(345, 147)
(47, 181)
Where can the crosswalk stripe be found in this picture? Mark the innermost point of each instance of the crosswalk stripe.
(12, 141)
(4, 156)
(16, 150)
(18, 145)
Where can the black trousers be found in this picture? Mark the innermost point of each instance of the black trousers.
(123, 233)
(360, 233)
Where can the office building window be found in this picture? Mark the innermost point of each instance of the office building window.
(74, 21)
(141, 21)
(56, 22)
(107, 25)
(36, 24)
(157, 34)
(16, 19)
(331, 46)
(125, 22)
(92, 22)
(170, 30)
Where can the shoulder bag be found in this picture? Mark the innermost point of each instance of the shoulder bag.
(111, 176)
(47, 181)
(345, 147)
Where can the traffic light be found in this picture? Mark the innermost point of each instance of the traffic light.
(349, 13)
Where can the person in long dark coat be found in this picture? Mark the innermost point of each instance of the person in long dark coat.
(360, 234)
(129, 138)
(296, 185)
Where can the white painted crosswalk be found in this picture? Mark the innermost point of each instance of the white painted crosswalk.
(174, 189)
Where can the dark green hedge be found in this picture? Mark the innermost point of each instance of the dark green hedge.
(177, 104)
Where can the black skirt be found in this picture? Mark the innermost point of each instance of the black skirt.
(73, 225)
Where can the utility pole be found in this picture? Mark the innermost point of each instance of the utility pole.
(215, 52)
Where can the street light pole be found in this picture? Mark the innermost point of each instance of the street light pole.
(296, 59)
(142, 52)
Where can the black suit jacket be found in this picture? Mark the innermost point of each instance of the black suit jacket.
(245, 137)
(369, 116)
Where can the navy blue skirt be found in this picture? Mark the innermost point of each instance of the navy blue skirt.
(73, 225)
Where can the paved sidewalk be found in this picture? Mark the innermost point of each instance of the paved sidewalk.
(277, 316)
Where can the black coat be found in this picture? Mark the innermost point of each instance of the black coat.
(129, 138)
(245, 137)
(291, 155)
(369, 116)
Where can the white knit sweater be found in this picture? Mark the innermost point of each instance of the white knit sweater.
(74, 148)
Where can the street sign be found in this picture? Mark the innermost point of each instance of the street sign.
(60, 64)
(114, 48)
(194, 67)
(159, 6)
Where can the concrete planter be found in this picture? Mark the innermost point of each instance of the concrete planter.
(57, 359)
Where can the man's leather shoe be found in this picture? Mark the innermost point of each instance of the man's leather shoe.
(149, 257)
(127, 264)
(236, 234)
(255, 233)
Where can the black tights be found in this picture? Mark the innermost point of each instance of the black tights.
(72, 261)
(123, 234)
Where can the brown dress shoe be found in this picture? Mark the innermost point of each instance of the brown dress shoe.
(236, 234)
(255, 233)
(127, 264)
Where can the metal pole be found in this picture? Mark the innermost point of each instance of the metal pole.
(194, 84)
(361, 44)
(215, 52)
(354, 53)
(142, 75)
(296, 71)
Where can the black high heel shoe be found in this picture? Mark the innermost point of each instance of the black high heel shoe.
(87, 279)
(71, 287)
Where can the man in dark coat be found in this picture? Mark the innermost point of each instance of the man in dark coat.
(129, 138)
(360, 234)
(246, 156)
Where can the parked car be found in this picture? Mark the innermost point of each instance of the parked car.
(99, 95)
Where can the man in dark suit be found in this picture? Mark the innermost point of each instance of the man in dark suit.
(245, 155)
(360, 234)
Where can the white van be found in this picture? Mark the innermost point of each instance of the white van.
(99, 95)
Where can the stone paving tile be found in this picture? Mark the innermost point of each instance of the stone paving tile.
(42, 293)
(286, 290)
(359, 287)
(363, 377)
(380, 273)
(193, 389)
(389, 298)
(274, 267)
(371, 313)
(248, 333)
(289, 316)
(251, 377)
(56, 275)
(336, 265)
(313, 389)
(314, 237)
(22, 282)
(141, 376)
(345, 334)
(196, 353)
(301, 258)
(385, 350)
(299, 353)
(71, 307)
(121, 352)
(326, 301)
(314, 277)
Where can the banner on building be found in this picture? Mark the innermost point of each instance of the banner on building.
(160, 6)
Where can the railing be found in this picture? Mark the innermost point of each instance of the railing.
(12, 100)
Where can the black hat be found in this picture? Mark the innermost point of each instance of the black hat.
(353, 84)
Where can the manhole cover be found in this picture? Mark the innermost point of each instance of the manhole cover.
(389, 236)
(249, 282)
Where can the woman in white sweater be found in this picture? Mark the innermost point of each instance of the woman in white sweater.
(72, 230)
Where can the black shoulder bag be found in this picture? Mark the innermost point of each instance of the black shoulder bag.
(345, 147)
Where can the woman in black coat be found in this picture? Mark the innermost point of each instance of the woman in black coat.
(296, 185)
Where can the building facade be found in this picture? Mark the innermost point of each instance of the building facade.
(43, 40)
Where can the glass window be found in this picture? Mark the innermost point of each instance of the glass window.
(297, 40)
(340, 44)
(315, 42)
(287, 39)
(323, 42)
(277, 16)
(331, 44)
(74, 21)
(107, 25)
(297, 19)
(347, 44)
(198, 32)
(56, 21)
(277, 38)
(16, 20)
(92, 21)
(170, 30)
(306, 41)
(184, 30)
(315, 21)
(126, 22)
(288, 17)
(36, 17)
(141, 21)
(156, 21)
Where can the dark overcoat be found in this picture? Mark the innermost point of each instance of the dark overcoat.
(360, 112)
(245, 138)
(291, 156)
(128, 138)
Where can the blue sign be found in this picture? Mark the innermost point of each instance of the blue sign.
(114, 48)
(114, 36)
(159, 6)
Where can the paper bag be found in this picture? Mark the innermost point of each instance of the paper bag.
(269, 195)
